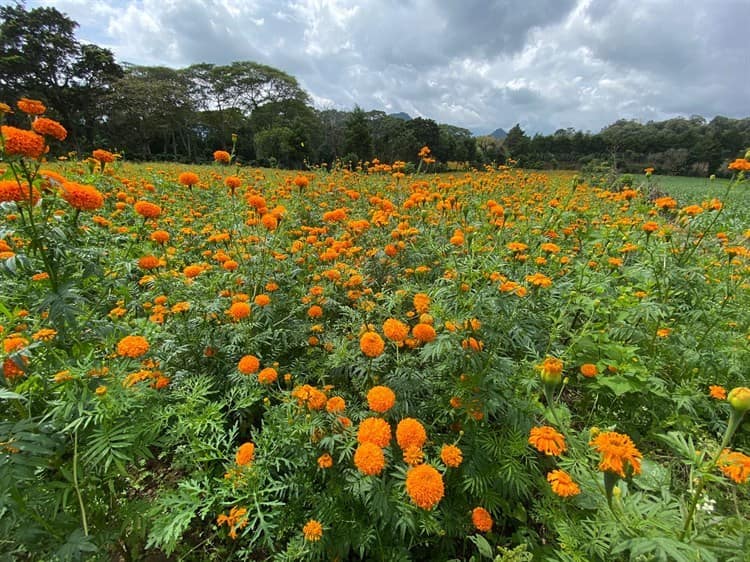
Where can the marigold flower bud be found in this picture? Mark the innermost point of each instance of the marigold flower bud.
(739, 399)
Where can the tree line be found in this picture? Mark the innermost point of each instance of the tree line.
(160, 113)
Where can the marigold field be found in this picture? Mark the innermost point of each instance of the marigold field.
(218, 362)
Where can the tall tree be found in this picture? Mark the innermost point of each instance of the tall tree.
(288, 124)
(426, 131)
(150, 114)
(517, 143)
(357, 136)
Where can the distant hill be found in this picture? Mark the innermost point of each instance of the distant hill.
(401, 115)
(499, 134)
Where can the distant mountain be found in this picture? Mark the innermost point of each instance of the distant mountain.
(499, 134)
(401, 115)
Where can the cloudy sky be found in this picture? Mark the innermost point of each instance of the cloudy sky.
(480, 64)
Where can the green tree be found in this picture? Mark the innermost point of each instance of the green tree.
(151, 115)
(357, 136)
(427, 133)
(295, 127)
(517, 143)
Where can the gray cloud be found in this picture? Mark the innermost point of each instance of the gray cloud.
(481, 64)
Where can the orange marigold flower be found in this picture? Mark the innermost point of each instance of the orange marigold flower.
(239, 311)
(11, 190)
(517, 247)
(421, 303)
(413, 456)
(381, 399)
(148, 262)
(268, 376)
(734, 465)
(315, 311)
(18, 142)
(618, 452)
(547, 440)
(374, 430)
(451, 456)
(539, 280)
(192, 271)
(410, 433)
(14, 343)
(425, 487)
(424, 332)
(103, 156)
(371, 344)
(222, 156)
(313, 530)
(325, 461)
(31, 107)
(160, 236)
(12, 370)
(188, 179)
(692, 210)
(178, 307)
(665, 203)
(551, 370)
(562, 484)
(269, 221)
(481, 519)
(317, 399)
(245, 454)
(649, 227)
(147, 210)
(335, 404)
(49, 127)
(369, 459)
(395, 330)
(82, 197)
(132, 346)
(235, 520)
(262, 300)
(589, 370)
(717, 392)
(740, 165)
(248, 365)
(301, 181)
(232, 182)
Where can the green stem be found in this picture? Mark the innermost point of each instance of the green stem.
(36, 243)
(76, 486)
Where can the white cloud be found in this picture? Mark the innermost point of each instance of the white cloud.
(547, 64)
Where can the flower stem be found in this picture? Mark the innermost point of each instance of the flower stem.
(76, 486)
